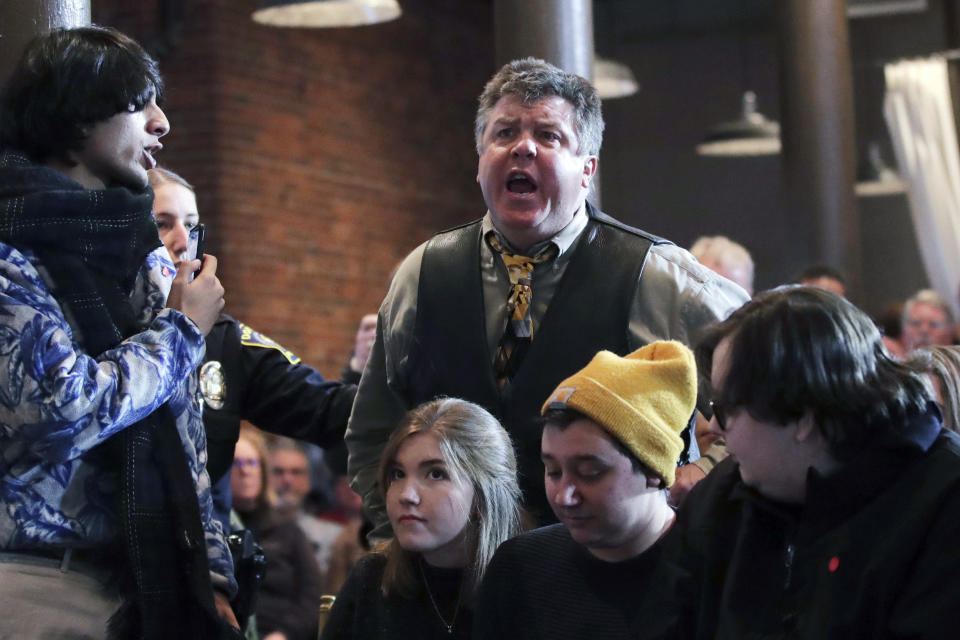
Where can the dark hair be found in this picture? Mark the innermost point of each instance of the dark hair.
(890, 320)
(796, 349)
(67, 81)
(563, 418)
(816, 271)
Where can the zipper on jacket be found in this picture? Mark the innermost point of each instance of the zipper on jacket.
(788, 564)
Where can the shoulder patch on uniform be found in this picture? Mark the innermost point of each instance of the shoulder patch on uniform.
(251, 338)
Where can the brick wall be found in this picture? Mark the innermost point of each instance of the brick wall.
(320, 157)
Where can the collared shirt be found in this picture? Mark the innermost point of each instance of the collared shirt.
(675, 299)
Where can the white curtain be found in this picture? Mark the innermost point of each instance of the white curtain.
(919, 114)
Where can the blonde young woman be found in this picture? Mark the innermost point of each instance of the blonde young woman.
(449, 479)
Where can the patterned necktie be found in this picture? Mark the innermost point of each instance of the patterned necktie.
(519, 332)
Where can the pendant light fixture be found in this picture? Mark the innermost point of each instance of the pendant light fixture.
(613, 79)
(325, 13)
(751, 134)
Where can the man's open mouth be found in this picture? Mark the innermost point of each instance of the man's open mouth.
(520, 183)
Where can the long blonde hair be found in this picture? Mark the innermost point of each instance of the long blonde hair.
(943, 363)
(477, 450)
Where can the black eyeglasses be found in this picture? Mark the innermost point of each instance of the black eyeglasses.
(720, 413)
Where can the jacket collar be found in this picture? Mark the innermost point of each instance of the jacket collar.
(835, 497)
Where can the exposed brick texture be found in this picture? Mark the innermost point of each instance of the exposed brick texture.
(320, 157)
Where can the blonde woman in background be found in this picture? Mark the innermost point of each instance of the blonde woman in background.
(288, 599)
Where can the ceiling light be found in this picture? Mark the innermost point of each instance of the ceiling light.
(750, 135)
(325, 13)
(613, 79)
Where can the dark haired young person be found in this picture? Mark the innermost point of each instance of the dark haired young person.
(610, 444)
(105, 500)
(837, 513)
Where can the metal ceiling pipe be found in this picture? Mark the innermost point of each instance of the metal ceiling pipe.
(559, 31)
(21, 20)
(817, 128)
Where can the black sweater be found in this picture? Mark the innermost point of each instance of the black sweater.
(362, 612)
(543, 585)
(289, 597)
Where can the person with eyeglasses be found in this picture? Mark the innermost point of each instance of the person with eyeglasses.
(837, 513)
(927, 321)
(289, 597)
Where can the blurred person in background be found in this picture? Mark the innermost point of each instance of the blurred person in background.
(825, 277)
(290, 475)
(726, 257)
(363, 342)
(890, 323)
(927, 321)
(289, 597)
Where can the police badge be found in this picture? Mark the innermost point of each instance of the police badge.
(213, 385)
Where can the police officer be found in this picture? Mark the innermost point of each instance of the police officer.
(246, 375)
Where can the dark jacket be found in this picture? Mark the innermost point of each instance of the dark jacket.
(263, 383)
(289, 598)
(872, 553)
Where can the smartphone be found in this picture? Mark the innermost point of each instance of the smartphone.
(195, 244)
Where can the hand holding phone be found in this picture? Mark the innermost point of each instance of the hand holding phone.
(195, 242)
(201, 300)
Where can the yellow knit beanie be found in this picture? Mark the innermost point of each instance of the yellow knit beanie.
(644, 400)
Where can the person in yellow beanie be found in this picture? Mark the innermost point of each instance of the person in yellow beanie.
(610, 443)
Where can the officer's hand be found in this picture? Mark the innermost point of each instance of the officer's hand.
(366, 333)
(202, 299)
(224, 610)
(686, 477)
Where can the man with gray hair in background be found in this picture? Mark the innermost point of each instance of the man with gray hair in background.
(728, 258)
(500, 310)
(927, 321)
